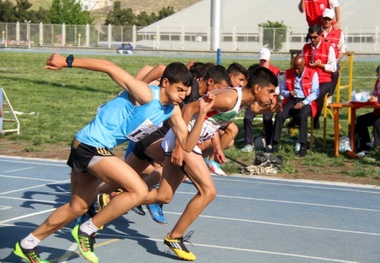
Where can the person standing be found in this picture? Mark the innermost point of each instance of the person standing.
(264, 61)
(336, 38)
(313, 10)
(320, 55)
(300, 91)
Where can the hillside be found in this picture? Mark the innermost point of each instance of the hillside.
(149, 6)
(137, 6)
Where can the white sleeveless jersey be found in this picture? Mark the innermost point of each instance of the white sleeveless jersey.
(213, 121)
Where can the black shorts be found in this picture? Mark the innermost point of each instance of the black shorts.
(140, 146)
(82, 154)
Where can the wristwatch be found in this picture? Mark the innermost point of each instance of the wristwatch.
(69, 61)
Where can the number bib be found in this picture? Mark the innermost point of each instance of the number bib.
(146, 128)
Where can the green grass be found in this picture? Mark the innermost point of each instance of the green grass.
(64, 101)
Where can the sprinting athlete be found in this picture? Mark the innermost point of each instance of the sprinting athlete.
(136, 112)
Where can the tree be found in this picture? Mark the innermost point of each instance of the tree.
(21, 10)
(143, 19)
(274, 34)
(69, 12)
(7, 12)
(165, 12)
(125, 17)
(120, 16)
(41, 15)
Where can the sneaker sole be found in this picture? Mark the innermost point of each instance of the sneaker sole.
(183, 258)
(18, 252)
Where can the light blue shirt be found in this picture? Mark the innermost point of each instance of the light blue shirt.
(314, 93)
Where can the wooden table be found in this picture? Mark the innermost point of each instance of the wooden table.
(353, 106)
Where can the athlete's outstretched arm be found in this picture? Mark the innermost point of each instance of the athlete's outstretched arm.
(137, 88)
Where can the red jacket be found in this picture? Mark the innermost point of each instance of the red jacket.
(314, 11)
(307, 81)
(321, 55)
(333, 37)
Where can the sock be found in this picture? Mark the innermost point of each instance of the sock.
(88, 227)
(30, 242)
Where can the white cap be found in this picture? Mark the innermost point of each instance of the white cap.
(328, 13)
(264, 54)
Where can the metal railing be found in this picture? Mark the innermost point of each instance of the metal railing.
(27, 34)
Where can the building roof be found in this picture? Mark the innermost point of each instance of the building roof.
(242, 15)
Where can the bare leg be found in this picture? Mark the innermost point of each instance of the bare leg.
(125, 178)
(83, 187)
(172, 176)
(198, 172)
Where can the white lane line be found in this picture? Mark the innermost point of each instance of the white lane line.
(26, 178)
(18, 170)
(26, 216)
(290, 202)
(5, 207)
(299, 183)
(284, 225)
(36, 161)
(232, 248)
(32, 187)
(231, 219)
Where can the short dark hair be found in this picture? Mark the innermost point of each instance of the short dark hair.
(315, 29)
(252, 68)
(236, 68)
(199, 69)
(219, 74)
(262, 76)
(177, 72)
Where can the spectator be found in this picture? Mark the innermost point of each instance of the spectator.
(320, 55)
(267, 118)
(300, 92)
(369, 119)
(314, 10)
(336, 38)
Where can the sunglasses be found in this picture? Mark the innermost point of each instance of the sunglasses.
(314, 37)
(327, 18)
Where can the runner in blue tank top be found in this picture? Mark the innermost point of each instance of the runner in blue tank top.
(133, 114)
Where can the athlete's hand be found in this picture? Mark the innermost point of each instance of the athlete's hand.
(177, 155)
(206, 102)
(56, 62)
(219, 156)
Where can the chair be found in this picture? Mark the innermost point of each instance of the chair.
(293, 129)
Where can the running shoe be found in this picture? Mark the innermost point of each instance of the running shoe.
(156, 213)
(139, 210)
(80, 220)
(29, 255)
(85, 244)
(178, 247)
(103, 200)
(248, 148)
(214, 167)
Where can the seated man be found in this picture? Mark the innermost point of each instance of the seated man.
(300, 90)
(369, 119)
